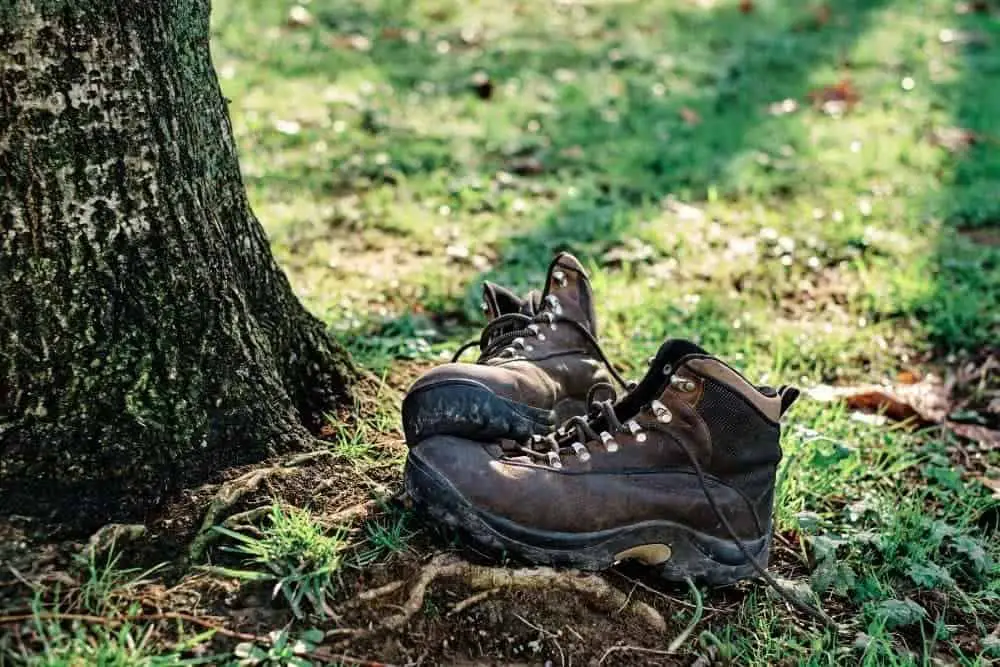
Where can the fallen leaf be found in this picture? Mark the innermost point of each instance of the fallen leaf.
(927, 401)
(837, 98)
(690, 116)
(908, 377)
(953, 139)
(746, 6)
(391, 34)
(482, 85)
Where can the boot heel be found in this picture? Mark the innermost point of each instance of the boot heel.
(691, 559)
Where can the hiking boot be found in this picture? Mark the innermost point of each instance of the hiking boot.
(539, 359)
(679, 474)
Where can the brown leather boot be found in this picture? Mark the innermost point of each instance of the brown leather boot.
(539, 359)
(679, 473)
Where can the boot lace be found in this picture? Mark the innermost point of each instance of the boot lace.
(510, 332)
(577, 432)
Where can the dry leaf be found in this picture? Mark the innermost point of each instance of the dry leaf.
(927, 401)
(908, 377)
(746, 6)
(837, 98)
(690, 116)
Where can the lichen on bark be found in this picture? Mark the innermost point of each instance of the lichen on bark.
(147, 336)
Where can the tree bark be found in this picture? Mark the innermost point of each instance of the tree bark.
(147, 336)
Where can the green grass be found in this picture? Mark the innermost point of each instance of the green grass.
(824, 244)
(297, 552)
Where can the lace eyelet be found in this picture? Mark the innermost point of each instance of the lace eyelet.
(661, 411)
(554, 461)
(581, 451)
(609, 442)
(633, 427)
(682, 384)
(640, 437)
(560, 278)
(554, 305)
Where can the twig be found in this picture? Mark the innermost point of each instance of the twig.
(471, 600)
(545, 633)
(353, 512)
(677, 642)
(391, 587)
(637, 649)
(649, 589)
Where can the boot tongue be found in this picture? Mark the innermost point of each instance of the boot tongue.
(569, 285)
(498, 300)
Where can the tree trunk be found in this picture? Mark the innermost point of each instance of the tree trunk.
(147, 336)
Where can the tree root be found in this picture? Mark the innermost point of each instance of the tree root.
(490, 579)
(104, 540)
(228, 495)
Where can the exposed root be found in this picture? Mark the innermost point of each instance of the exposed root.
(491, 579)
(105, 539)
(228, 495)
(352, 513)
(381, 591)
(471, 600)
(244, 519)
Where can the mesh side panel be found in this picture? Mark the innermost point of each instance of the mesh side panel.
(742, 439)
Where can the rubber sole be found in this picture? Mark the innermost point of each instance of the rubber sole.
(676, 551)
(469, 409)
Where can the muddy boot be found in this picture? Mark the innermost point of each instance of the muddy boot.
(678, 474)
(538, 360)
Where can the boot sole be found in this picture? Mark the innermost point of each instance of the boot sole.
(470, 409)
(676, 551)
